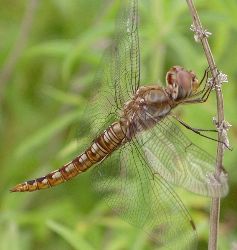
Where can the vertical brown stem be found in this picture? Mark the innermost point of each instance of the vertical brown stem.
(215, 205)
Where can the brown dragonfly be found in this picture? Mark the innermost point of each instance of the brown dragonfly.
(139, 150)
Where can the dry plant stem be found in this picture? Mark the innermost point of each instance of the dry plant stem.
(20, 44)
(215, 206)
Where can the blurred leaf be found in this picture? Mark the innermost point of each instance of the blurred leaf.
(81, 47)
(61, 96)
(57, 49)
(9, 237)
(73, 239)
(45, 133)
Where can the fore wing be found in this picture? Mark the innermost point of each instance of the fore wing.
(119, 75)
(174, 157)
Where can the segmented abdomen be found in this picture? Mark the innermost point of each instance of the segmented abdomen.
(102, 146)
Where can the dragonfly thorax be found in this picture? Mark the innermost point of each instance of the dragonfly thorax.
(148, 106)
(181, 83)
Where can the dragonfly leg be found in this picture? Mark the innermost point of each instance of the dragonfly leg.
(198, 131)
(191, 128)
(205, 76)
(204, 79)
(201, 99)
(207, 90)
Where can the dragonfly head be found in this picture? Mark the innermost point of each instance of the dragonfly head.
(181, 83)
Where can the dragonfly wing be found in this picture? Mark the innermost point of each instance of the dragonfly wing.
(173, 156)
(143, 199)
(126, 51)
(118, 77)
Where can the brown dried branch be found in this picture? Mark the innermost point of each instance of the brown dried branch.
(20, 44)
(222, 126)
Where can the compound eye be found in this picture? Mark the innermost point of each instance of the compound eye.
(171, 79)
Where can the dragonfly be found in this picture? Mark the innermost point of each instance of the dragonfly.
(138, 151)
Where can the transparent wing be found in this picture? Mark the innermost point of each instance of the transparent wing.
(174, 157)
(126, 52)
(143, 199)
(119, 74)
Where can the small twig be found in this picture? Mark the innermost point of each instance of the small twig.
(20, 44)
(222, 126)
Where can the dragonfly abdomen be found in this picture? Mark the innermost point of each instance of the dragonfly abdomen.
(101, 147)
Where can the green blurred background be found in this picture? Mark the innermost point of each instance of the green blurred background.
(50, 51)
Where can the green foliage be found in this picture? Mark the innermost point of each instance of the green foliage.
(42, 103)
